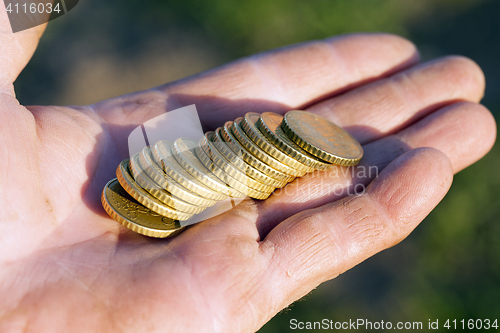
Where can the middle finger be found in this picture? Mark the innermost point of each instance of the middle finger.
(388, 105)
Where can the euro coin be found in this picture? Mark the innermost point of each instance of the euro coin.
(225, 134)
(233, 169)
(235, 157)
(172, 168)
(157, 191)
(152, 167)
(322, 138)
(183, 150)
(270, 125)
(219, 169)
(243, 138)
(138, 193)
(250, 156)
(130, 213)
(248, 123)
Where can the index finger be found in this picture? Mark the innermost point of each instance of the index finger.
(291, 77)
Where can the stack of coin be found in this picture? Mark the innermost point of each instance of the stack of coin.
(251, 156)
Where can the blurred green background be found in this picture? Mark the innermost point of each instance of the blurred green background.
(449, 267)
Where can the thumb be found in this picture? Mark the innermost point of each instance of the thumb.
(17, 50)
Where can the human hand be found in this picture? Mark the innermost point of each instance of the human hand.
(67, 266)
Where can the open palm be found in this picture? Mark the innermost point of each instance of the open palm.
(66, 266)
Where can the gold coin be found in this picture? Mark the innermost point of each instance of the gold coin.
(248, 123)
(205, 159)
(183, 150)
(127, 211)
(157, 191)
(207, 144)
(237, 159)
(243, 138)
(225, 134)
(322, 138)
(163, 151)
(154, 170)
(138, 193)
(269, 124)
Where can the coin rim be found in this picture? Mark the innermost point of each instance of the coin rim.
(263, 142)
(142, 196)
(234, 171)
(320, 153)
(148, 184)
(215, 183)
(228, 136)
(258, 152)
(171, 168)
(170, 184)
(299, 154)
(234, 183)
(253, 172)
(135, 227)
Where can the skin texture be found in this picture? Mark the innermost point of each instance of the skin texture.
(66, 266)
